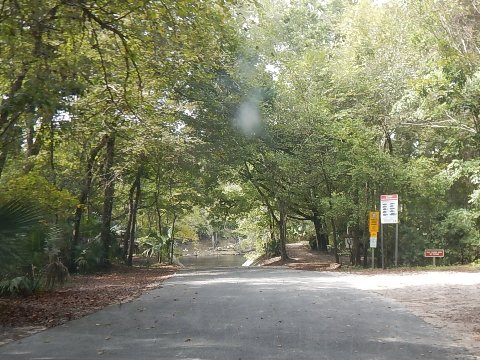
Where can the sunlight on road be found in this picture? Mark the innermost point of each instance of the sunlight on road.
(313, 280)
(362, 282)
(395, 281)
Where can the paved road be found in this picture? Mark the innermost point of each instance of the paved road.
(245, 314)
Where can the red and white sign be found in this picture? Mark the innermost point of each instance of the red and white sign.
(389, 209)
(434, 253)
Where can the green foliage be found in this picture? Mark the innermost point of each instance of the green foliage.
(232, 111)
(55, 273)
(459, 233)
(18, 286)
(89, 258)
(154, 246)
(34, 188)
(16, 219)
(30, 250)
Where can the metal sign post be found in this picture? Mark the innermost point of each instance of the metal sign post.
(389, 215)
(396, 244)
(434, 253)
(373, 227)
(373, 245)
(381, 246)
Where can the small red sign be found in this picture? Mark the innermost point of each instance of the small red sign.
(388, 197)
(434, 253)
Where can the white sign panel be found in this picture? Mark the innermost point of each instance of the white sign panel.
(373, 242)
(389, 209)
(348, 242)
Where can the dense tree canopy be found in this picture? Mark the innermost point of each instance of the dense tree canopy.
(160, 120)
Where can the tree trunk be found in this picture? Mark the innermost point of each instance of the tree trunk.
(7, 119)
(320, 236)
(317, 225)
(271, 225)
(126, 237)
(356, 253)
(133, 225)
(109, 183)
(282, 224)
(159, 214)
(3, 160)
(335, 242)
(172, 238)
(365, 254)
(8, 103)
(82, 201)
(355, 257)
(51, 150)
(35, 138)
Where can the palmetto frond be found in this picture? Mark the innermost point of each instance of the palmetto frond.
(16, 217)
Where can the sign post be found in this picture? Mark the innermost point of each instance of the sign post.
(373, 220)
(434, 253)
(373, 245)
(396, 244)
(389, 215)
(381, 245)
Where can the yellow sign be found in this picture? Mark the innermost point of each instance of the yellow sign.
(373, 222)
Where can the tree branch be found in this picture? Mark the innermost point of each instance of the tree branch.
(123, 38)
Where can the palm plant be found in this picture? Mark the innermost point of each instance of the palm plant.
(16, 221)
(16, 218)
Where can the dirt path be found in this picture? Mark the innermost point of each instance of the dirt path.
(447, 300)
(303, 258)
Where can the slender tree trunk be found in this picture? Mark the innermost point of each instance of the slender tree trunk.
(332, 220)
(109, 183)
(3, 160)
(172, 238)
(9, 117)
(365, 255)
(76, 231)
(271, 224)
(126, 237)
(52, 151)
(159, 216)
(6, 104)
(356, 254)
(316, 224)
(282, 224)
(136, 202)
(82, 200)
(35, 139)
(320, 236)
(355, 247)
(335, 241)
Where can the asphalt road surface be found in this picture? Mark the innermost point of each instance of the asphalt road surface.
(246, 314)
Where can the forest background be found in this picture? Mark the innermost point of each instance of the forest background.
(133, 125)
